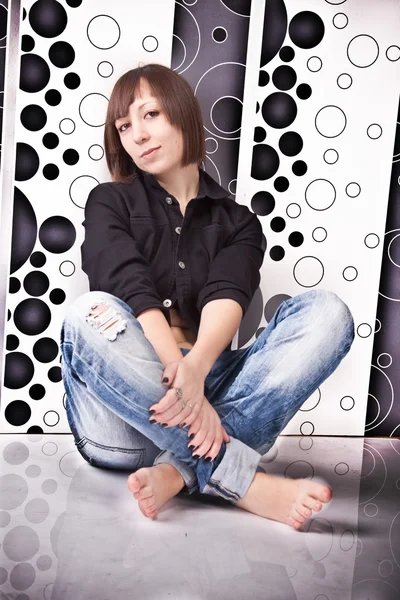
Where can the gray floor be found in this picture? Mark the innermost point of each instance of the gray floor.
(73, 531)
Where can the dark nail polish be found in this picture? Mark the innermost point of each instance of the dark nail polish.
(208, 459)
(191, 436)
(153, 421)
(183, 425)
(164, 424)
(165, 380)
(196, 456)
(192, 447)
(152, 412)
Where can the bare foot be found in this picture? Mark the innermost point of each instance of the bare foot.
(154, 486)
(289, 501)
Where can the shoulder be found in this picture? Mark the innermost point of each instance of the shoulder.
(118, 195)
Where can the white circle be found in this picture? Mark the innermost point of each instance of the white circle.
(353, 189)
(393, 53)
(234, 181)
(210, 139)
(350, 273)
(49, 448)
(96, 152)
(398, 484)
(103, 32)
(314, 64)
(372, 240)
(331, 156)
(385, 568)
(93, 109)
(67, 268)
(330, 121)
(319, 234)
(386, 363)
(67, 126)
(320, 194)
(347, 403)
(293, 210)
(364, 330)
(150, 43)
(374, 131)
(212, 118)
(105, 69)
(379, 327)
(51, 418)
(342, 468)
(212, 34)
(347, 540)
(340, 20)
(80, 188)
(308, 271)
(371, 509)
(344, 81)
(363, 51)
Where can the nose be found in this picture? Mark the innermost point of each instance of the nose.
(139, 132)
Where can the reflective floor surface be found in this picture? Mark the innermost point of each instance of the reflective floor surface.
(72, 531)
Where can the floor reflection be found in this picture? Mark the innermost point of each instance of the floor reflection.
(73, 531)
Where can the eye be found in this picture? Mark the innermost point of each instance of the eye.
(120, 129)
(152, 112)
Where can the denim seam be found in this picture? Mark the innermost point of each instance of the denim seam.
(111, 449)
(223, 491)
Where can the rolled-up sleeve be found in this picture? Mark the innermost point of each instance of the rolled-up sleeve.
(235, 271)
(110, 255)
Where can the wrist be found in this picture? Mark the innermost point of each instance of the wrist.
(197, 362)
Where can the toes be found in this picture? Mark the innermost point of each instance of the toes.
(133, 483)
(304, 511)
(145, 492)
(149, 504)
(297, 516)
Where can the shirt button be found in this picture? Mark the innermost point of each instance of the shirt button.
(167, 303)
(168, 200)
(181, 264)
(177, 229)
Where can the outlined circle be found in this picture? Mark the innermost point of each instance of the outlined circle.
(342, 468)
(220, 27)
(340, 21)
(307, 428)
(379, 360)
(216, 145)
(331, 156)
(372, 240)
(212, 119)
(67, 126)
(293, 210)
(314, 64)
(330, 121)
(312, 402)
(350, 273)
(344, 81)
(393, 53)
(150, 43)
(103, 32)
(51, 418)
(353, 189)
(364, 330)
(80, 189)
(371, 509)
(319, 234)
(306, 267)
(347, 403)
(90, 107)
(364, 49)
(374, 131)
(96, 152)
(320, 194)
(105, 68)
(67, 268)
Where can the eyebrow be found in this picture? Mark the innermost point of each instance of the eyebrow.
(139, 107)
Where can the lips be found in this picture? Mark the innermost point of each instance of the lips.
(148, 152)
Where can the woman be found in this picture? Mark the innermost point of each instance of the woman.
(173, 263)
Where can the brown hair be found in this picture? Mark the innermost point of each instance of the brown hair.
(179, 104)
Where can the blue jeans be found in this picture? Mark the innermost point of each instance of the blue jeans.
(111, 383)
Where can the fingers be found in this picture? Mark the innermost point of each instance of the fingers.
(207, 434)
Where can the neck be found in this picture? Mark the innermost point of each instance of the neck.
(182, 183)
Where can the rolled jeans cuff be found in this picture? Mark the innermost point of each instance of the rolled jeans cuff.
(188, 474)
(233, 476)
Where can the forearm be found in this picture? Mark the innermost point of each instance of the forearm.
(159, 334)
(220, 319)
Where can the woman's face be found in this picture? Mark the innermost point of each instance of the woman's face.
(146, 127)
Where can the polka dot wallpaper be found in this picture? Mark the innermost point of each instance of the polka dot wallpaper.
(282, 88)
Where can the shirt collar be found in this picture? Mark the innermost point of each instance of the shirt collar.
(208, 187)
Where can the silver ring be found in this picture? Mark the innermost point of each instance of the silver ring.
(179, 395)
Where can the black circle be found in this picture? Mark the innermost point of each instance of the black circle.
(290, 143)
(304, 91)
(35, 73)
(52, 97)
(19, 370)
(72, 81)
(38, 259)
(286, 53)
(259, 134)
(57, 296)
(24, 230)
(296, 239)
(32, 316)
(48, 18)
(37, 391)
(51, 171)
(45, 350)
(278, 224)
(284, 77)
(8, 314)
(71, 156)
(281, 184)
(26, 162)
(265, 162)
(36, 283)
(62, 54)
(259, 331)
(263, 203)
(263, 78)
(277, 253)
(299, 168)
(23, 14)
(33, 117)
(57, 234)
(219, 34)
(27, 43)
(74, 3)
(279, 110)
(17, 413)
(50, 140)
(12, 342)
(306, 29)
(14, 285)
(35, 429)
(54, 374)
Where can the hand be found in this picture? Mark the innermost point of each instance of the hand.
(207, 431)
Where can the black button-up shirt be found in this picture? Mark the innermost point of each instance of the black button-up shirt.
(139, 247)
